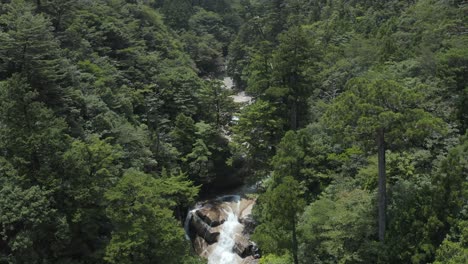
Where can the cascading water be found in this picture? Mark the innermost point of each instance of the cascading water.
(223, 252)
(217, 229)
(187, 222)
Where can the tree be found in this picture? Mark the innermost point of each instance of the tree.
(412, 223)
(451, 185)
(27, 218)
(304, 155)
(338, 226)
(451, 194)
(183, 134)
(293, 69)
(256, 133)
(454, 248)
(177, 88)
(207, 22)
(387, 111)
(205, 50)
(286, 77)
(427, 212)
(207, 159)
(200, 163)
(260, 70)
(177, 13)
(273, 16)
(278, 211)
(31, 137)
(29, 48)
(90, 168)
(217, 106)
(144, 226)
(179, 190)
(275, 259)
(61, 11)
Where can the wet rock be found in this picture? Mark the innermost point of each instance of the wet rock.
(244, 247)
(203, 230)
(249, 225)
(200, 246)
(212, 215)
(229, 214)
(245, 208)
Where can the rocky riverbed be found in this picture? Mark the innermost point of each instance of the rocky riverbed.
(220, 230)
(239, 97)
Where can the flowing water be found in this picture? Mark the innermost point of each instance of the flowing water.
(233, 209)
(187, 221)
(223, 253)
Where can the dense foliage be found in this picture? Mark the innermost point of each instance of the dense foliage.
(109, 126)
(339, 82)
(113, 122)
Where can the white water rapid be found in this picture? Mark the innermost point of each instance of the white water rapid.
(220, 230)
(223, 252)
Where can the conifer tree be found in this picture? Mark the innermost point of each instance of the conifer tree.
(384, 111)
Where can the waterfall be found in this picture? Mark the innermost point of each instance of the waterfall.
(187, 220)
(187, 223)
(216, 228)
(223, 252)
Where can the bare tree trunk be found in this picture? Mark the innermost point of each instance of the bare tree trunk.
(382, 192)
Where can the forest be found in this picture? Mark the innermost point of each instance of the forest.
(114, 122)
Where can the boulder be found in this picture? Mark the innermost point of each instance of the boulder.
(203, 230)
(245, 208)
(249, 225)
(212, 215)
(208, 220)
(244, 247)
(201, 247)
